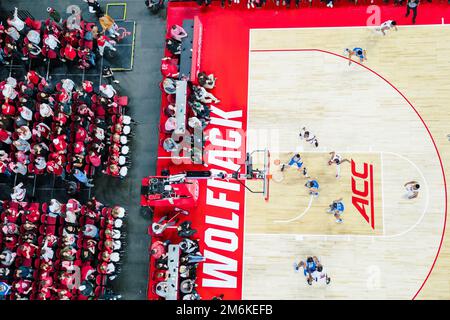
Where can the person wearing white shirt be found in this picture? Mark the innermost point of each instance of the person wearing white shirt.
(387, 25)
(18, 193)
(412, 189)
(16, 22)
(40, 163)
(47, 252)
(320, 276)
(13, 33)
(68, 85)
(54, 209)
(19, 168)
(108, 90)
(51, 41)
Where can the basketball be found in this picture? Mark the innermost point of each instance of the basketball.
(277, 162)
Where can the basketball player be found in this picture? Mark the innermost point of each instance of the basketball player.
(310, 267)
(295, 160)
(337, 160)
(387, 25)
(359, 52)
(337, 208)
(320, 275)
(309, 137)
(313, 187)
(412, 189)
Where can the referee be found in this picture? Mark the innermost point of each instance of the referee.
(412, 5)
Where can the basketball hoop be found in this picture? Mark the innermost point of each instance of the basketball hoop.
(252, 173)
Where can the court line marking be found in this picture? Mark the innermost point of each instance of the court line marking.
(246, 144)
(382, 192)
(429, 133)
(327, 152)
(427, 201)
(300, 215)
(417, 113)
(419, 220)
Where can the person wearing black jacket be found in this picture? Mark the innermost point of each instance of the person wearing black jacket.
(412, 5)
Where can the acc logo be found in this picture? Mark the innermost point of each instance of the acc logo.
(362, 192)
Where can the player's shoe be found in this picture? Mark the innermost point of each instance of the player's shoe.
(339, 221)
(328, 280)
(296, 268)
(309, 281)
(305, 172)
(282, 167)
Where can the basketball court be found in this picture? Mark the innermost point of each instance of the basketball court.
(281, 70)
(380, 115)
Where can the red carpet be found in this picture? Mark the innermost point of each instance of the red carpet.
(225, 52)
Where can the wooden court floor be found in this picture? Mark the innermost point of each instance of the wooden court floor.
(296, 80)
(306, 214)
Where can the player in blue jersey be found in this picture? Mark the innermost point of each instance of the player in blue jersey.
(311, 269)
(296, 160)
(337, 208)
(359, 52)
(313, 187)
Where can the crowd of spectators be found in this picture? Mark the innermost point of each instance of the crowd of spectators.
(62, 129)
(72, 41)
(57, 251)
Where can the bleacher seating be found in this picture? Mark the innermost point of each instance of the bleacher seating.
(60, 251)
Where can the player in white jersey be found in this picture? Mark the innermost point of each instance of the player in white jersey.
(320, 276)
(308, 136)
(412, 189)
(387, 25)
(337, 160)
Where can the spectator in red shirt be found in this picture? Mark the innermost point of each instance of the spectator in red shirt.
(66, 279)
(23, 287)
(94, 159)
(169, 67)
(87, 272)
(11, 214)
(69, 53)
(8, 109)
(32, 77)
(158, 249)
(5, 135)
(32, 215)
(64, 294)
(60, 143)
(27, 250)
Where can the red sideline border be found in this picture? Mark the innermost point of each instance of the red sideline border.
(423, 122)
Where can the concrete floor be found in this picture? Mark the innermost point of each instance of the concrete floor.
(141, 85)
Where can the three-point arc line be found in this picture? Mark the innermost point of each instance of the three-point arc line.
(300, 215)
